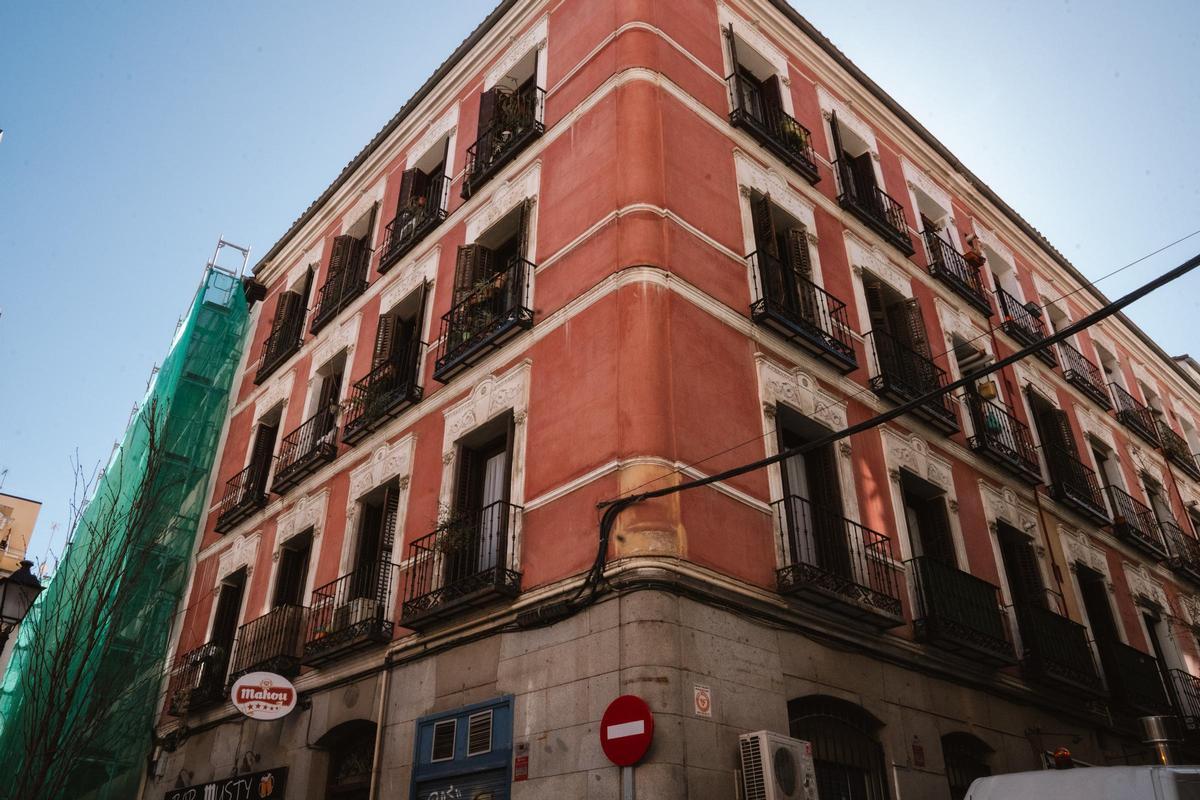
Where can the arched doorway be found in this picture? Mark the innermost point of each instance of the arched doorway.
(966, 758)
(351, 748)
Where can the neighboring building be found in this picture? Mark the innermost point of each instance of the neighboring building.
(531, 293)
(18, 516)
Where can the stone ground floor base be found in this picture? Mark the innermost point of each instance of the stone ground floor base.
(543, 692)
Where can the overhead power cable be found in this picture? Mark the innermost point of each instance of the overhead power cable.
(613, 508)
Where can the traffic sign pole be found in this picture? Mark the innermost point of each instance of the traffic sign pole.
(627, 783)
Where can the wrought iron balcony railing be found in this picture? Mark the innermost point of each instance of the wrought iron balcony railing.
(1022, 324)
(836, 564)
(517, 122)
(1135, 523)
(469, 560)
(948, 265)
(349, 614)
(197, 680)
(341, 289)
(383, 393)
(1074, 484)
(874, 207)
(774, 129)
(959, 612)
(1134, 415)
(1133, 678)
(304, 450)
(1083, 374)
(493, 312)
(1183, 549)
(1003, 438)
(801, 311)
(284, 341)
(1185, 695)
(414, 222)
(1176, 449)
(902, 374)
(244, 494)
(273, 643)
(1057, 651)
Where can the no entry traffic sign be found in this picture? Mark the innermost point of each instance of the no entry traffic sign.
(626, 730)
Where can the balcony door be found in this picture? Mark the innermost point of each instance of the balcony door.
(1025, 585)
(292, 574)
(784, 260)
(856, 168)
(1157, 632)
(373, 549)
(812, 498)
(479, 528)
(261, 455)
(928, 522)
(898, 332)
(228, 611)
(1093, 591)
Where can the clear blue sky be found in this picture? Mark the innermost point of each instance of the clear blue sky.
(137, 132)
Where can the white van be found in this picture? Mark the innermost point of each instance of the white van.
(1092, 783)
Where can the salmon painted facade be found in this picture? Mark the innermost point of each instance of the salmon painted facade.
(615, 245)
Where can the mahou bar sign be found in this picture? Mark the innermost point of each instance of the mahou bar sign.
(263, 695)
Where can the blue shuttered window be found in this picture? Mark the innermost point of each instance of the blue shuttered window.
(465, 754)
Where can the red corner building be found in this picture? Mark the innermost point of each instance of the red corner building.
(616, 245)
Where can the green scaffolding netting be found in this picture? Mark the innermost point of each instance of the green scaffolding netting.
(79, 698)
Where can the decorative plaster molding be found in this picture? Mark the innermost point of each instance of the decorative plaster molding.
(1003, 505)
(307, 513)
(752, 175)
(957, 321)
(243, 552)
(1144, 586)
(992, 242)
(344, 337)
(1190, 606)
(1048, 291)
(917, 179)
(533, 39)
(1092, 425)
(408, 278)
(505, 197)
(1080, 550)
(489, 398)
(847, 119)
(749, 33)
(362, 206)
(387, 462)
(871, 259)
(799, 390)
(277, 391)
(1028, 375)
(1141, 373)
(913, 454)
(448, 124)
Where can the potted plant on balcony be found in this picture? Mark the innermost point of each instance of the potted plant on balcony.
(794, 137)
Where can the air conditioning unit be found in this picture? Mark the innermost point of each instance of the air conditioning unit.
(776, 767)
(360, 609)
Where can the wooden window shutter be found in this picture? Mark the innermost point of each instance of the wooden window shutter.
(800, 263)
(772, 94)
(473, 265)
(1060, 431)
(1021, 567)
(331, 386)
(339, 258)
(523, 230)
(468, 487)
(262, 452)
(764, 226)
(510, 434)
(369, 237)
(937, 541)
(835, 133)
(488, 102)
(391, 518)
(407, 178)
(913, 331)
(876, 305)
(733, 56)
(828, 522)
(306, 291)
(385, 339)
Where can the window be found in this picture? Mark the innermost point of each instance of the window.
(292, 575)
(398, 336)
(1109, 365)
(926, 517)
(477, 543)
(966, 759)
(1021, 568)
(287, 326)
(812, 498)
(422, 202)
(314, 441)
(896, 322)
(510, 117)
(1003, 271)
(351, 748)
(378, 512)
(859, 187)
(228, 611)
(349, 265)
(468, 750)
(847, 757)
(1093, 590)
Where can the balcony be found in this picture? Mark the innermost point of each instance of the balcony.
(801, 312)
(342, 288)
(1176, 449)
(468, 561)
(272, 643)
(305, 449)
(836, 564)
(1185, 696)
(1135, 415)
(902, 374)
(1183, 550)
(1002, 438)
(383, 394)
(960, 613)
(948, 265)
(245, 493)
(1024, 325)
(874, 208)
(349, 614)
(284, 342)
(1057, 652)
(518, 121)
(1133, 679)
(490, 315)
(414, 223)
(197, 680)
(1074, 484)
(1135, 524)
(774, 129)
(1083, 374)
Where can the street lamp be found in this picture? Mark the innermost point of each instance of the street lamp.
(17, 593)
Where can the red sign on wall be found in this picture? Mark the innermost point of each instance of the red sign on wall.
(626, 730)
